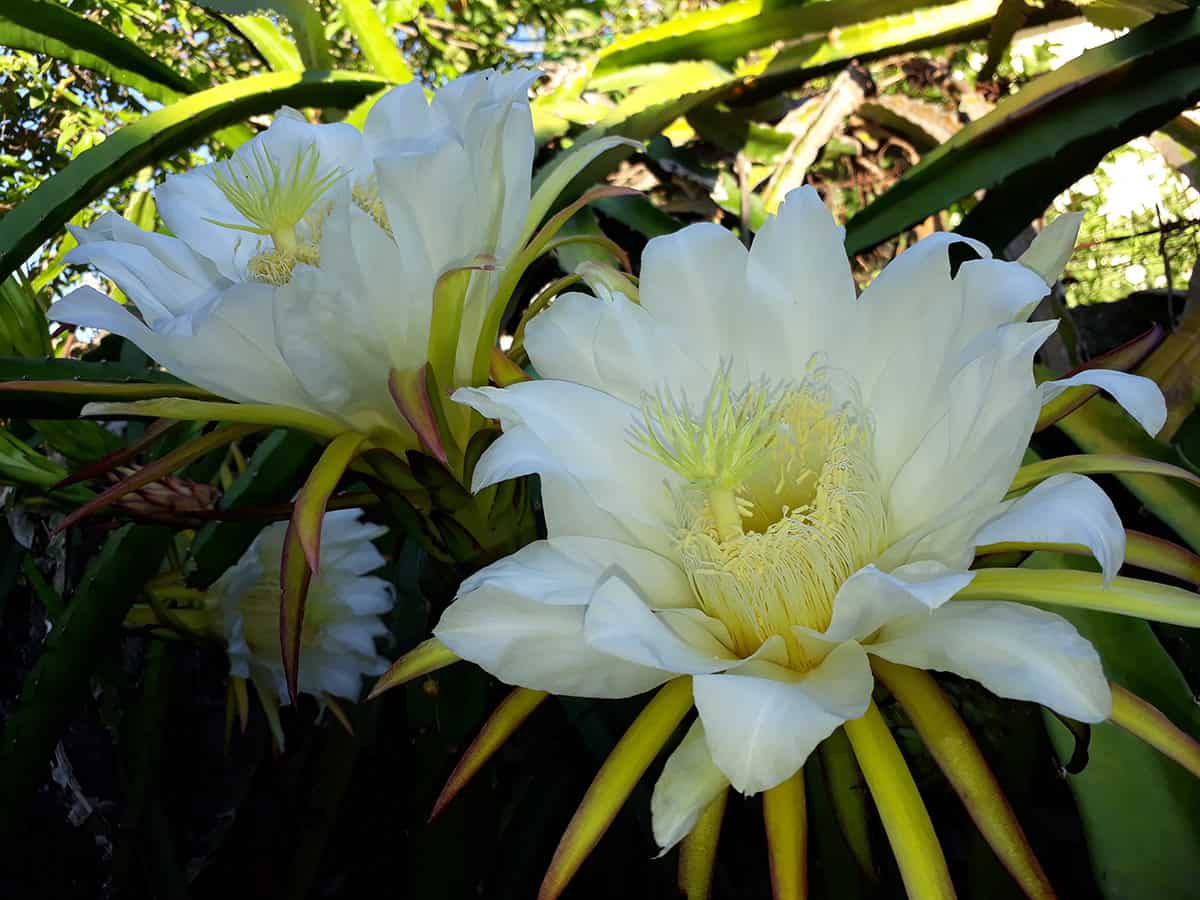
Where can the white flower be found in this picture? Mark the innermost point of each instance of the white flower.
(754, 478)
(302, 270)
(341, 619)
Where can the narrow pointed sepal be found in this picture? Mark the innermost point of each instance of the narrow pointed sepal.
(905, 818)
(313, 499)
(426, 657)
(201, 411)
(1160, 555)
(1145, 721)
(500, 726)
(410, 391)
(1142, 550)
(786, 819)
(242, 699)
(111, 461)
(1087, 590)
(445, 331)
(1097, 464)
(698, 851)
(117, 391)
(338, 712)
(628, 761)
(954, 749)
(504, 371)
(295, 576)
(270, 705)
(555, 178)
(848, 794)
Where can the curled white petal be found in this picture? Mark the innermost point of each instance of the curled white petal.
(689, 782)
(619, 622)
(1063, 509)
(1138, 396)
(762, 723)
(1013, 650)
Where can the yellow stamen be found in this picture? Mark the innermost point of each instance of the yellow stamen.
(272, 200)
(366, 197)
(783, 504)
(281, 204)
(717, 446)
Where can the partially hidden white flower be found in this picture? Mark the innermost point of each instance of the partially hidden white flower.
(341, 619)
(302, 269)
(758, 479)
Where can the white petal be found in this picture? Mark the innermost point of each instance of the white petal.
(327, 324)
(431, 220)
(689, 782)
(688, 281)
(160, 274)
(917, 328)
(218, 349)
(870, 598)
(566, 570)
(1013, 650)
(619, 622)
(396, 304)
(398, 117)
(585, 433)
(971, 452)
(798, 280)
(522, 618)
(1063, 509)
(570, 511)
(561, 341)
(1053, 246)
(616, 346)
(188, 202)
(528, 643)
(763, 725)
(1140, 397)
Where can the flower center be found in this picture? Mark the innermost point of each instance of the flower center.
(783, 503)
(259, 607)
(285, 204)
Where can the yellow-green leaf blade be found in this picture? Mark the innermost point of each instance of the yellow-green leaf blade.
(376, 43)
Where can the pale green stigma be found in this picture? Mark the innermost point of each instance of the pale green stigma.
(272, 198)
(716, 447)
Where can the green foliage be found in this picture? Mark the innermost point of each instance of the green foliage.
(1108, 95)
(80, 639)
